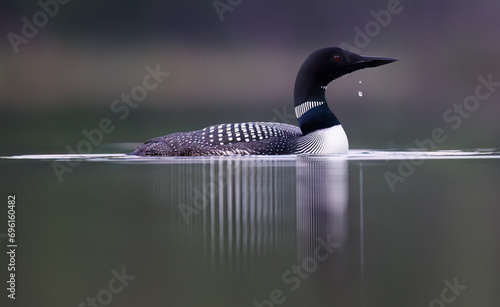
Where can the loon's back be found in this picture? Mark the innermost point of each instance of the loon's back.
(226, 140)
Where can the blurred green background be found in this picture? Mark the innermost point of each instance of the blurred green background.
(239, 64)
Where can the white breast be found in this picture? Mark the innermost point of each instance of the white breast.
(324, 141)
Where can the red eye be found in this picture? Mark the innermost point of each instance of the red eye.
(337, 58)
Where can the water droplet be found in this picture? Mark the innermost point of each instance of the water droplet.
(360, 93)
(359, 81)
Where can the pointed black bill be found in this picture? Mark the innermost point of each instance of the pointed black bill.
(369, 61)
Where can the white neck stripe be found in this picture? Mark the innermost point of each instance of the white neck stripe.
(306, 106)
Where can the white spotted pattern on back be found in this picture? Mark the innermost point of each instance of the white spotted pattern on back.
(227, 139)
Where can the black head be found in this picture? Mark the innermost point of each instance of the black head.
(320, 68)
(328, 64)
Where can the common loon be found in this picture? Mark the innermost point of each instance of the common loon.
(320, 131)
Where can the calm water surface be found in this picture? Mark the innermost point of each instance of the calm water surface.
(372, 228)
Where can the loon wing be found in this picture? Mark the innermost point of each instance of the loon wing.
(226, 139)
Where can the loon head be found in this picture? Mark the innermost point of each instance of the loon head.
(327, 64)
(319, 69)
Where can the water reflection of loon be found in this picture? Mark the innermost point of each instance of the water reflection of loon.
(320, 131)
(282, 218)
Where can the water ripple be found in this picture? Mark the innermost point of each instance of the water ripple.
(355, 155)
